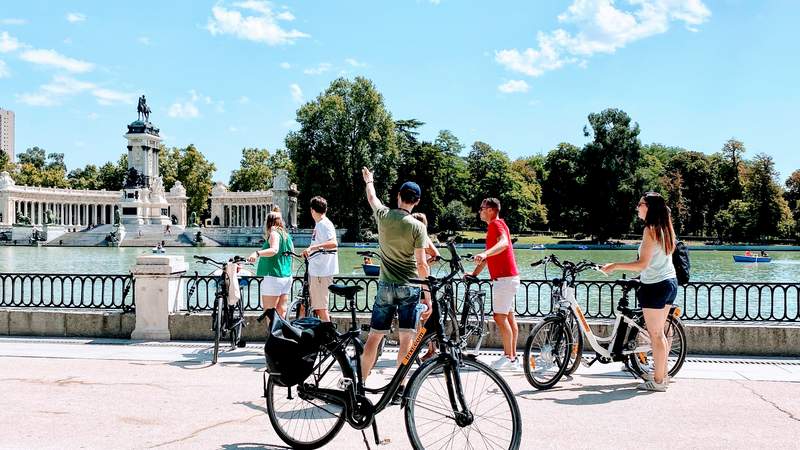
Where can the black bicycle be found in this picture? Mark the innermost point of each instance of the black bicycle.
(452, 400)
(227, 320)
(301, 306)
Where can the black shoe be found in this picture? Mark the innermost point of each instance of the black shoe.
(397, 398)
(242, 343)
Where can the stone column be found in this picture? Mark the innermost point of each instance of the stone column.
(158, 293)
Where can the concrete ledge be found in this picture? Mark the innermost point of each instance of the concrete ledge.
(60, 322)
(719, 338)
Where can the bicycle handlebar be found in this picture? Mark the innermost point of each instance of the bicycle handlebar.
(315, 252)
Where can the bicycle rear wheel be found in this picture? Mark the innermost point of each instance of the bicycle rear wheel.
(547, 352)
(307, 423)
(641, 362)
(431, 421)
(237, 324)
(216, 317)
(474, 324)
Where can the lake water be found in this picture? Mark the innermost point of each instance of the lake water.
(706, 265)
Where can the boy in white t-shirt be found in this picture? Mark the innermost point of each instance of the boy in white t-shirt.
(321, 268)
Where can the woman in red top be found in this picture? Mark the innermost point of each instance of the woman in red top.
(499, 256)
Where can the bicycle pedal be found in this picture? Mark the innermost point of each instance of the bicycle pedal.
(585, 363)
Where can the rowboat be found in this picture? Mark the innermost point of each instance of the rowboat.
(751, 259)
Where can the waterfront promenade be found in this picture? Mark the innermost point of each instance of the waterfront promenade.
(79, 393)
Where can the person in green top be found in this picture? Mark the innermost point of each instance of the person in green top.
(273, 265)
(402, 240)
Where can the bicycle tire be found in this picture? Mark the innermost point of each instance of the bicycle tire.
(553, 352)
(430, 376)
(217, 325)
(639, 362)
(237, 318)
(576, 351)
(274, 410)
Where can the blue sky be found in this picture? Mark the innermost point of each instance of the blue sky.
(521, 76)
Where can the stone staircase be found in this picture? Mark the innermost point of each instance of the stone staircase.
(152, 235)
(95, 237)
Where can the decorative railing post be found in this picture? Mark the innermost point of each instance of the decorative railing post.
(157, 291)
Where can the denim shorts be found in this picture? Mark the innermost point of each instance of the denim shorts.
(391, 298)
(657, 295)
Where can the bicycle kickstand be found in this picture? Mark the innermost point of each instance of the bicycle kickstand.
(588, 364)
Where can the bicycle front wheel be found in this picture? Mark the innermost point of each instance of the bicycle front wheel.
(492, 419)
(547, 353)
(307, 422)
(576, 349)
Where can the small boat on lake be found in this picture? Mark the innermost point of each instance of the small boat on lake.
(751, 259)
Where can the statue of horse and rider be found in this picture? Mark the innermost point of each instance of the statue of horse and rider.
(142, 110)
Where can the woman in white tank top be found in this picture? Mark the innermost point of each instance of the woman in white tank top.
(659, 285)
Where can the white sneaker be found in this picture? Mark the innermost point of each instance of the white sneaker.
(649, 377)
(516, 364)
(499, 362)
(507, 365)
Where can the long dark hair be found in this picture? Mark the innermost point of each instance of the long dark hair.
(659, 220)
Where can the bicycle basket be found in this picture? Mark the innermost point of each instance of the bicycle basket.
(291, 349)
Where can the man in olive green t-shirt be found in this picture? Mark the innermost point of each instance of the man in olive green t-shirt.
(402, 241)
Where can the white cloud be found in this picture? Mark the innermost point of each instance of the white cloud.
(320, 69)
(244, 100)
(111, 97)
(76, 17)
(92, 116)
(61, 87)
(55, 59)
(188, 109)
(8, 43)
(233, 129)
(285, 65)
(13, 21)
(4, 72)
(600, 27)
(513, 86)
(144, 40)
(355, 63)
(262, 27)
(185, 110)
(297, 93)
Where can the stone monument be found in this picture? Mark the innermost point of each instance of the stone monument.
(143, 201)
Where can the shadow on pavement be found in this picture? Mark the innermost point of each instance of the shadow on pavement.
(252, 445)
(589, 395)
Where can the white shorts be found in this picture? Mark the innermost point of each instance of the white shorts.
(273, 286)
(504, 292)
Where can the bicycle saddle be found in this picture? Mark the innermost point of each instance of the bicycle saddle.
(345, 290)
(628, 284)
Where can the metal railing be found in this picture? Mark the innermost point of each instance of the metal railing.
(698, 300)
(67, 291)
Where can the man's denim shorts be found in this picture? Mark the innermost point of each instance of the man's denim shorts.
(391, 298)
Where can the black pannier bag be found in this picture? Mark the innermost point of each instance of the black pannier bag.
(680, 259)
(291, 348)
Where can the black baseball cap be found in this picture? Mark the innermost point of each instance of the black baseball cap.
(413, 187)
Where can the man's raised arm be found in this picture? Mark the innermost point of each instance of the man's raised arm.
(372, 198)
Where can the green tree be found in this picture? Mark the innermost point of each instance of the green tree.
(734, 223)
(609, 163)
(190, 167)
(195, 172)
(492, 175)
(281, 160)
(86, 178)
(344, 129)
(111, 176)
(531, 172)
(254, 172)
(771, 214)
(696, 174)
(35, 156)
(454, 217)
(563, 188)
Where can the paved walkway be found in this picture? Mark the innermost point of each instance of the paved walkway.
(73, 393)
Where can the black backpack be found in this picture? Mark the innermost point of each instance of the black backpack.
(291, 348)
(680, 259)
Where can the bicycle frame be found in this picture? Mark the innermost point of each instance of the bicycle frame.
(601, 344)
(360, 411)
